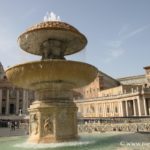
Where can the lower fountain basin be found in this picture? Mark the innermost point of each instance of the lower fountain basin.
(51, 73)
(53, 110)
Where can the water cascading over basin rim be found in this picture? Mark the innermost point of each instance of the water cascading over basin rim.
(76, 73)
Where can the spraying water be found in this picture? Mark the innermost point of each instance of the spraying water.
(51, 17)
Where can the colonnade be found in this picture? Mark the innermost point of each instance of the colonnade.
(126, 107)
(8, 101)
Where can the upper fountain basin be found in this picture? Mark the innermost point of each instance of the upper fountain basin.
(51, 74)
(32, 40)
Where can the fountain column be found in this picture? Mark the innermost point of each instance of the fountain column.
(53, 116)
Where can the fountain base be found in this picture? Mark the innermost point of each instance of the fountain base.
(52, 122)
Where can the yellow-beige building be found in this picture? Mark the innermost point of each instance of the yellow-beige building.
(104, 97)
(108, 97)
(14, 101)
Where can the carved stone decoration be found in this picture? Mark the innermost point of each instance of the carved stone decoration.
(48, 125)
(34, 125)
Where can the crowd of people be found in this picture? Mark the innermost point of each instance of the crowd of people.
(12, 124)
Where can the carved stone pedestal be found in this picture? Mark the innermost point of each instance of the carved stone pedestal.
(52, 122)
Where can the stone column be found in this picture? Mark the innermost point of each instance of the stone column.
(134, 108)
(96, 106)
(84, 110)
(120, 109)
(24, 102)
(104, 110)
(17, 102)
(139, 106)
(110, 104)
(7, 102)
(101, 110)
(126, 104)
(0, 101)
(144, 104)
(112, 109)
(132, 90)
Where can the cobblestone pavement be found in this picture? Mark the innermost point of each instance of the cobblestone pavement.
(5, 132)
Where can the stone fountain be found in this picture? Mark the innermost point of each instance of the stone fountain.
(53, 113)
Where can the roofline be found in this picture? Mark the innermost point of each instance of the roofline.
(131, 77)
(108, 76)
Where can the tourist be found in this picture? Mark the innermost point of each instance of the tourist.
(13, 126)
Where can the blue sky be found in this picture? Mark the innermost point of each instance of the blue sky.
(118, 31)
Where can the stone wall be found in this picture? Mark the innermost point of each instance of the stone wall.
(136, 124)
(101, 82)
(122, 127)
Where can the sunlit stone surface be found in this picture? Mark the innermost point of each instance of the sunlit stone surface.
(53, 113)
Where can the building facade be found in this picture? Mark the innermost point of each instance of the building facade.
(104, 97)
(124, 97)
(14, 101)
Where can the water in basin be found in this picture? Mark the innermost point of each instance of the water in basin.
(102, 141)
